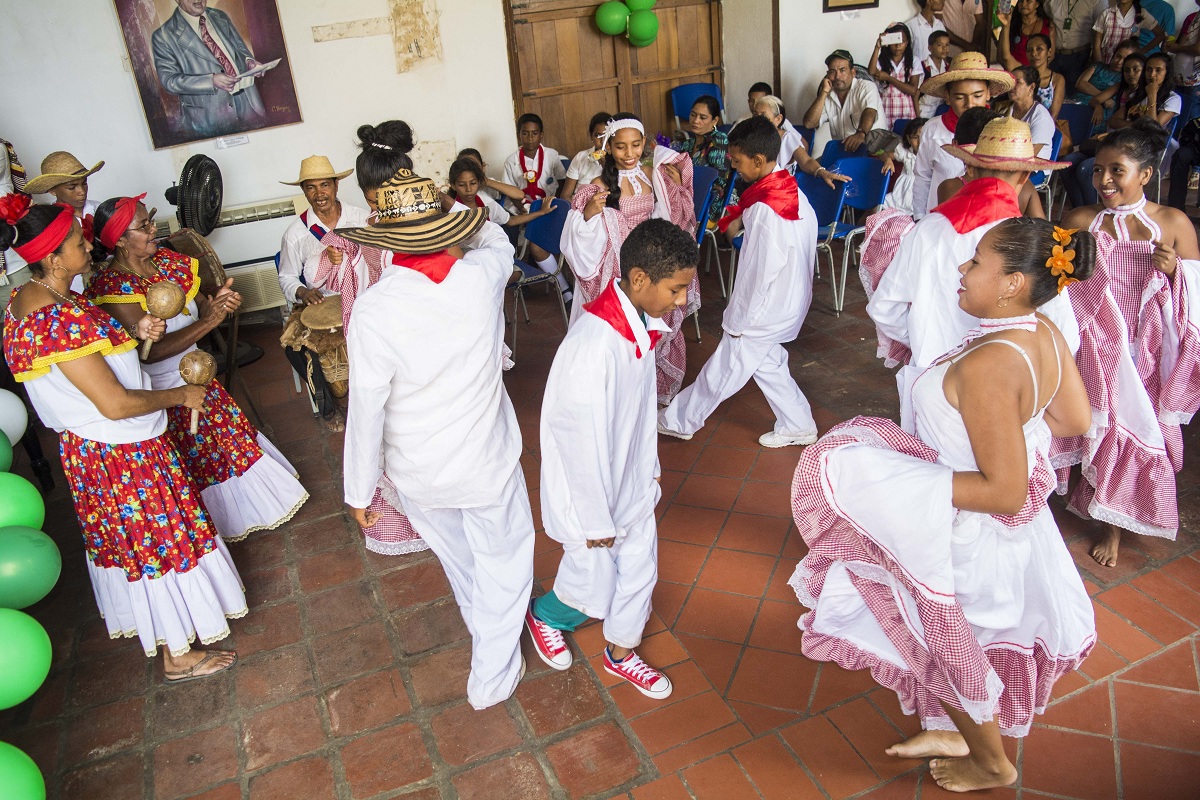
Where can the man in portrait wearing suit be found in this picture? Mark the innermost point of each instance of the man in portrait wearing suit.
(198, 54)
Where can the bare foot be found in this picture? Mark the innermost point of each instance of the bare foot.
(965, 775)
(929, 744)
(1105, 551)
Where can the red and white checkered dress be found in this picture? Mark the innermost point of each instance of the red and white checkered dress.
(393, 534)
(593, 248)
(981, 612)
(885, 230)
(897, 104)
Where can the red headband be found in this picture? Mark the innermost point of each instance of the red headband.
(118, 223)
(48, 240)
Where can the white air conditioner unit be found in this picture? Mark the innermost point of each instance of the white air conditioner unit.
(258, 284)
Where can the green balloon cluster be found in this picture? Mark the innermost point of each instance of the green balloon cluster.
(19, 775)
(20, 502)
(634, 18)
(5, 453)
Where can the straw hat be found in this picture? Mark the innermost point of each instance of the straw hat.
(316, 168)
(411, 219)
(1004, 144)
(58, 168)
(968, 66)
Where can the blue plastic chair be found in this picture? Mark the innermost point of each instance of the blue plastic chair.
(1078, 117)
(703, 180)
(705, 233)
(808, 135)
(941, 109)
(725, 128)
(1041, 180)
(685, 96)
(835, 152)
(566, 162)
(546, 233)
(899, 125)
(866, 190)
(827, 204)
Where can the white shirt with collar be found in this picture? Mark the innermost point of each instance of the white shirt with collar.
(599, 429)
(426, 387)
(300, 251)
(919, 31)
(934, 165)
(843, 117)
(553, 172)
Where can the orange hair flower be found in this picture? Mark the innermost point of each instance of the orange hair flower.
(1063, 235)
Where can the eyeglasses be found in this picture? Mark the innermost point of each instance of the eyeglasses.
(150, 226)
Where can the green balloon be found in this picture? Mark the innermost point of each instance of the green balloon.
(643, 27)
(640, 5)
(19, 776)
(29, 566)
(20, 502)
(640, 42)
(5, 453)
(24, 657)
(611, 17)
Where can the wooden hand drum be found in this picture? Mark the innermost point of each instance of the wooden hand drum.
(164, 300)
(197, 368)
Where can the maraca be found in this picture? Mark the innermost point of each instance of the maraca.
(163, 300)
(197, 368)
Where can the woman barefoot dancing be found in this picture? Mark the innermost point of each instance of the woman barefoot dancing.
(934, 561)
(1129, 474)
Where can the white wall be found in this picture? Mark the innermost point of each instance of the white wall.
(746, 43)
(806, 37)
(80, 96)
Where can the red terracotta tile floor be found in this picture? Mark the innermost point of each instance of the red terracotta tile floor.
(351, 683)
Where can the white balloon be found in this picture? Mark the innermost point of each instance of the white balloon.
(13, 416)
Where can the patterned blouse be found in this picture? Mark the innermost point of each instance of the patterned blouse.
(710, 151)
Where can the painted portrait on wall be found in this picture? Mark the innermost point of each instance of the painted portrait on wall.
(208, 68)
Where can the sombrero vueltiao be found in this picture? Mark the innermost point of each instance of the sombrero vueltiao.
(1004, 144)
(411, 219)
(58, 168)
(969, 66)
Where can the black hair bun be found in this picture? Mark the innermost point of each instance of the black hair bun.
(8, 235)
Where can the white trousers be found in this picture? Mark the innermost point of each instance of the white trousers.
(487, 554)
(736, 360)
(613, 584)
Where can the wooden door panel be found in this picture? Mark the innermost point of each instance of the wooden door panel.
(565, 116)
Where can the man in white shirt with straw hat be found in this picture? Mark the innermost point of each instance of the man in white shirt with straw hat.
(426, 354)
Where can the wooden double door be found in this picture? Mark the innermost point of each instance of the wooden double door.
(564, 70)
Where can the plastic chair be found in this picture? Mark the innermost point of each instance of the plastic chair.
(685, 96)
(712, 234)
(808, 135)
(1078, 117)
(827, 204)
(899, 125)
(835, 152)
(1041, 180)
(866, 190)
(725, 128)
(566, 162)
(703, 180)
(545, 232)
(941, 109)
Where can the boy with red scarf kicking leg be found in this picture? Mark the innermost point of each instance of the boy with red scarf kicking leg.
(769, 300)
(600, 457)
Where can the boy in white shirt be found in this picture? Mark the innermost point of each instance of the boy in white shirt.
(427, 344)
(600, 466)
(937, 63)
(769, 301)
(535, 169)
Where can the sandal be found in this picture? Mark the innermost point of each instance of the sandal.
(335, 423)
(189, 674)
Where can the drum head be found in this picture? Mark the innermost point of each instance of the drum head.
(190, 243)
(326, 315)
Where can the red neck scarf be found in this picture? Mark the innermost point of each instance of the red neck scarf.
(49, 239)
(435, 266)
(979, 202)
(118, 223)
(479, 202)
(607, 306)
(531, 189)
(777, 190)
(950, 120)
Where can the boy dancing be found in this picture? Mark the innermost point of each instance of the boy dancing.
(600, 457)
(769, 300)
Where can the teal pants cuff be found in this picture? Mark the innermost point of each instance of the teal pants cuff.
(557, 614)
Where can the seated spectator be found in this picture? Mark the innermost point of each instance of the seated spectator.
(849, 104)
(757, 92)
(1025, 107)
(793, 154)
(1051, 87)
(1100, 77)
(1031, 18)
(922, 26)
(905, 153)
(898, 74)
(706, 145)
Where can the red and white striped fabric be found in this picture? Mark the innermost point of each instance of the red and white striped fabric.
(595, 259)
(885, 230)
(917, 639)
(393, 534)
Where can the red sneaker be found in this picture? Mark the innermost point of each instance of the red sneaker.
(548, 642)
(645, 678)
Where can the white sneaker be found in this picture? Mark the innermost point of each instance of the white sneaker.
(773, 439)
(548, 642)
(665, 431)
